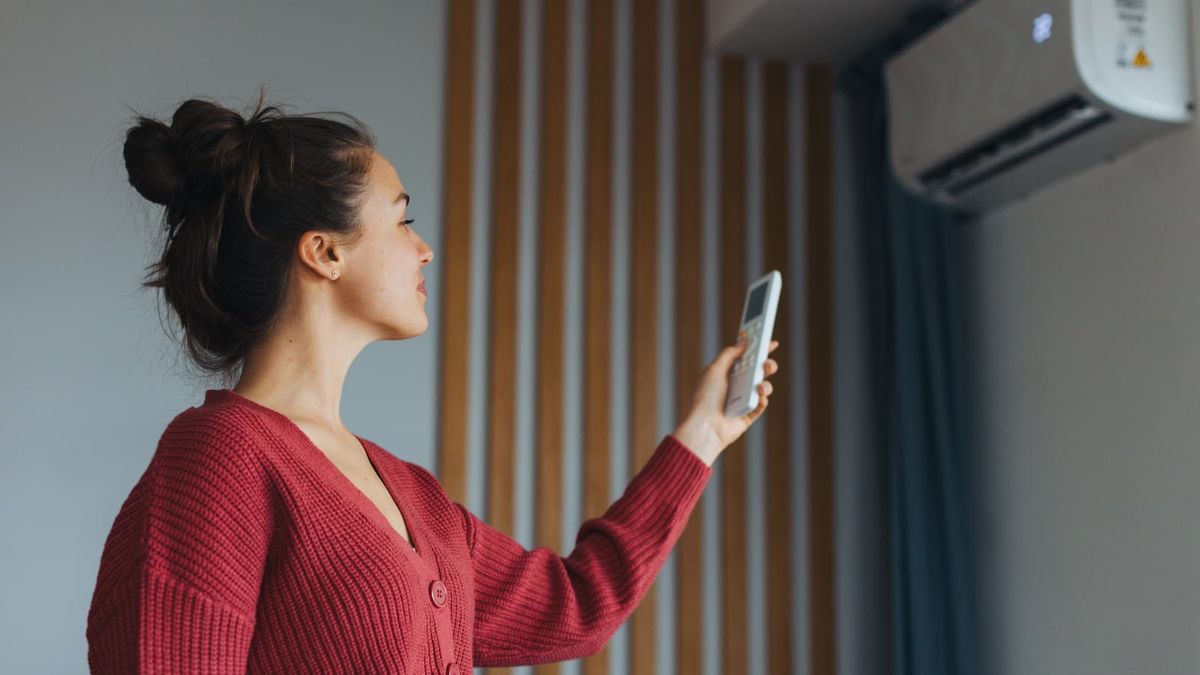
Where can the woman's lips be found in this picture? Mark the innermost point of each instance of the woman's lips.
(421, 288)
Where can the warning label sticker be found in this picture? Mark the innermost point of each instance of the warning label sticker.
(1131, 34)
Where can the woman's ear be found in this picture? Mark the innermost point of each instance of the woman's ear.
(316, 251)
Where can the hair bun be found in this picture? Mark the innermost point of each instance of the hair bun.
(153, 159)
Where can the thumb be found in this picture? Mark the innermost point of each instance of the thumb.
(730, 354)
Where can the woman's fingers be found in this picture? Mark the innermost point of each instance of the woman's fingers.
(764, 390)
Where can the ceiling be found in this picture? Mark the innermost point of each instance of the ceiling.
(807, 31)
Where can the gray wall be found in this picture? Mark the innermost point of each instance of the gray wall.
(91, 379)
(1086, 335)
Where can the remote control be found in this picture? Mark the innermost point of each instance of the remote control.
(758, 320)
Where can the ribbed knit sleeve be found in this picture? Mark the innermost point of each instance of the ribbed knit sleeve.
(180, 573)
(534, 606)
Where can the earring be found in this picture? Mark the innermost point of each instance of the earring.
(334, 274)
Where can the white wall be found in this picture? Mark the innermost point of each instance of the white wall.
(1086, 338)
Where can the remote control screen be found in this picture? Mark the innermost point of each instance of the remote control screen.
(755, 307)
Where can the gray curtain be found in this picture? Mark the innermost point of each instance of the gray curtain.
(914, 284)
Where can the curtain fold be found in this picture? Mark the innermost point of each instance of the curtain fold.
(911, 252)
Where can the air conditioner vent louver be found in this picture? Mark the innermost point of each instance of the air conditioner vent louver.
(1053, 125)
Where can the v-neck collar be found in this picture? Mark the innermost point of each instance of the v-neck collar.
(324, 466)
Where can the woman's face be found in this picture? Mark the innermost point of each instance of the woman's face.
(380, 277)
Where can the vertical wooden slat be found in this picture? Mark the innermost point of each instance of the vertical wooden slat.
(552, 193)
(455, 287)
(733, 289)
(776, 184)
(818, 237)
(643, 356)
(598, 197)
(505, 213)
(689, 32)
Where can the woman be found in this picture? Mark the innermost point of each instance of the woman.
(264, 535)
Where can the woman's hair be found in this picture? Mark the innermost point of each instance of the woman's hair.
(238, 194)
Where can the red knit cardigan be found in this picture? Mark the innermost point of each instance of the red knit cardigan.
(243, 548)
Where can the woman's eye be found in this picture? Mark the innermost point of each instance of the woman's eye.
(408, 223)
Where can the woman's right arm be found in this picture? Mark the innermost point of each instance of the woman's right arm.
(179, 577)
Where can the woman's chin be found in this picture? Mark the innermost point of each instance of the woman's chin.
(411, 329)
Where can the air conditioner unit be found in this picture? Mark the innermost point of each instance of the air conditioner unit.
(1008, 96)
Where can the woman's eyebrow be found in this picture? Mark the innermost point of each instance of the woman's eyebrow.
(402, 197)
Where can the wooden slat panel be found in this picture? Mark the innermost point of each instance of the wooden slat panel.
(776, 184)
(597, 293)
(504, 211)
(455, 286)
(818, 237)
(643, 356)
(505, 223)
(733, 290)
(689, 361)
(552, 194)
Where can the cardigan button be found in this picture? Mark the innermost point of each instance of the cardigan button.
(452, 669)
(437, 593)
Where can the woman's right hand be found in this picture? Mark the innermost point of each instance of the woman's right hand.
(706, 430)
